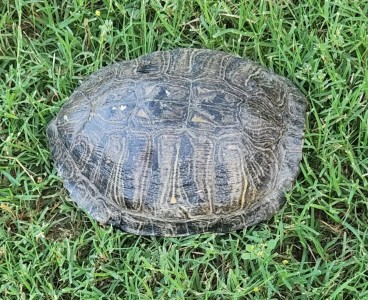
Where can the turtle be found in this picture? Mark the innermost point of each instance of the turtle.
(180, 142)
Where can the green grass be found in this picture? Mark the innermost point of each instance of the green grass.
(315, 248)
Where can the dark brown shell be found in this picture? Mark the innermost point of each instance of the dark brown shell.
(180, 142)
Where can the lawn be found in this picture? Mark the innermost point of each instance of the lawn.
(315, 248)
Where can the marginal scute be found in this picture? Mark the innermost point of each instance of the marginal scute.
(180, 142)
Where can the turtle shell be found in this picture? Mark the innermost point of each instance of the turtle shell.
(180, 142)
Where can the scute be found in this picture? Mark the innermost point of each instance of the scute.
(180, 142)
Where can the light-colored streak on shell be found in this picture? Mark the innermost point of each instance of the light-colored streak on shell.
(116, 185)
(167, 149)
